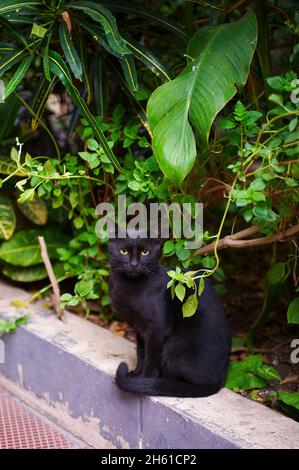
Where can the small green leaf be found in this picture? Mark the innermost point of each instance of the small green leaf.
(7, 219)
(190, 306)
(180, 292)
(276, 273)
(293, 311)
(38, 30)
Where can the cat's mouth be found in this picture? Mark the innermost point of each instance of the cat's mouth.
(133, 273)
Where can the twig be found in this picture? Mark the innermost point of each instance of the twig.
(236, 240)
(54, 283)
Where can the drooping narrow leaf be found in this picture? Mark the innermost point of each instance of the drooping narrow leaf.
(70, 52)
(12, 29)
(99, 85)
(149, 15)
(18, 75)
(7, 219)
(12, 59)
(129, 69)
(8, 6)
(148, 59)
(102, 15)
(58, 67)
(222, 57)
(40, 101)
(46, 58)
(99, 36)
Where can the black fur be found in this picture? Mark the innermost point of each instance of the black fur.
(176, 356)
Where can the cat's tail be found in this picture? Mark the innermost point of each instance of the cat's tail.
(161, 386)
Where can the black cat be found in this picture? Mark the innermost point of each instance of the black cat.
(176, 356)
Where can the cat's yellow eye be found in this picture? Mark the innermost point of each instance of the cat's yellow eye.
(124, 251)
(144, 252)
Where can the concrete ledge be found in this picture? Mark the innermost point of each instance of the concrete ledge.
(65, 371)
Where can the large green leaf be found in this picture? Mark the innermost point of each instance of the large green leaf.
(23, 248)
(221, 60)
(7, 166)
(70, 52)
(58, 67)
(8, 114)
(7, 219)
(32, 273)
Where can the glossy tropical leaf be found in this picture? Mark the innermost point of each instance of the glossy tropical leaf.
(36, 211)
(70, 52)
(129, 69)
(290, 398)
(103, 16)
(31, 273)
(6, 48)
(149, 15)
(8, 6)
(7, 219)
(12, 59)
(222, 57)
(46, 58)
(40, 101)
(99, 36)
(148, 59)
(23, 248)
(58, 67)
(12, 29)
(18, 75)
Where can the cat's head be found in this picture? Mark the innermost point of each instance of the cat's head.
(134, 256)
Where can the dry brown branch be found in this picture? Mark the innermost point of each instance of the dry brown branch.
(237, 239)
(53, 280)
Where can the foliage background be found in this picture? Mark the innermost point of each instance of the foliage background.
(82, 93)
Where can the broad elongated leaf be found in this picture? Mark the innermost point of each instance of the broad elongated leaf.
(46, 58)
(35, 210)
(129, 69)
(58, 67)
(32, 273)
(69, 50)
(40, 101)
(222, 57)
(7, 219)
(18, 75)
(23, 248)
(103, 16)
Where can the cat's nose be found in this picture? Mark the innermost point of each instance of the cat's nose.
(134, 263)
